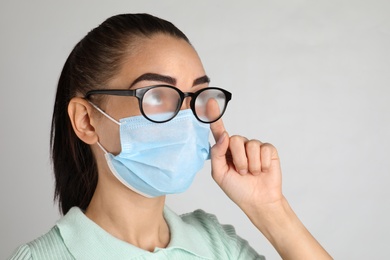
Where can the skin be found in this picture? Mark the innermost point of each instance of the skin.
(248, 171)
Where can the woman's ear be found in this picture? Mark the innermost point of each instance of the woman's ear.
(80, 112)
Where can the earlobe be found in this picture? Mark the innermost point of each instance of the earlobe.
(79, 111)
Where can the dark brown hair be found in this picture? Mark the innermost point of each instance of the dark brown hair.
(91, 64)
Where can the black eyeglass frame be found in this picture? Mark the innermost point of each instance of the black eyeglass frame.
(140, 92)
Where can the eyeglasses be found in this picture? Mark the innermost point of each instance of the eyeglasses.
(161, 103)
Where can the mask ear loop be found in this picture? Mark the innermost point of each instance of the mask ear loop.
(101, 147)
(104, 113)
(109, 117)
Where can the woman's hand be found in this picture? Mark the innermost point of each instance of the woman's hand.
(248, 171)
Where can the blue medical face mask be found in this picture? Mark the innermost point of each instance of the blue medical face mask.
(159, 158)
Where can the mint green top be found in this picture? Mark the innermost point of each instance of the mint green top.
(196, 235)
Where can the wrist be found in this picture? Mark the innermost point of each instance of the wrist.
(272, 218)
(280, 225)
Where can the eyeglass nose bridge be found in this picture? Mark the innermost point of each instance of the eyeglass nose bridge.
(187, 103)
(191, 102)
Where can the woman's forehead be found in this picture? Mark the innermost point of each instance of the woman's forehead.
(163, 55)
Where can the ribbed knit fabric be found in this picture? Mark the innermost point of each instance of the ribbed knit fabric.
(196, 235)
(48, 246)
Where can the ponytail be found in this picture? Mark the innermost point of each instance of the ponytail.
(74, 165)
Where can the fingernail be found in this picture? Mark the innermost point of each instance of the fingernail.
(222, 138)
(243, 171)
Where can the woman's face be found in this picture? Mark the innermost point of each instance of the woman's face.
(158, 60)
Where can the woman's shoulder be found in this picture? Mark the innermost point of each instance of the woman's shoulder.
(219, 235)
(209, 222)
(47, 246)
(21, 253)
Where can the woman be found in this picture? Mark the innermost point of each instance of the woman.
(131, 121)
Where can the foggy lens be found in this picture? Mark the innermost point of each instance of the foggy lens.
(161, 103)
(210, 104)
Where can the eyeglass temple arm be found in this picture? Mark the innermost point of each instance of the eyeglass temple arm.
(115, 92)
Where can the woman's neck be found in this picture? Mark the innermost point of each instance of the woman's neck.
(130, 217)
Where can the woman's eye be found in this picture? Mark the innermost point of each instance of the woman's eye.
(154, 99)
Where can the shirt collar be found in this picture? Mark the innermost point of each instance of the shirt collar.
(186, 236)
(86, 240)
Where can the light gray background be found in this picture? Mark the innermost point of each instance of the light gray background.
(311, 77)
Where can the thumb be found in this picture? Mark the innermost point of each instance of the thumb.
(218, 154)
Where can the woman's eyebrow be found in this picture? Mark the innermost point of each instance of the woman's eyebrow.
(167, 79)
(201, 80)
(154, 77)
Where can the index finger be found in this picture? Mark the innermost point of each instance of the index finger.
(213, 111)
(217, 128)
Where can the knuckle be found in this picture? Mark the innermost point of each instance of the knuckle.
(268, 146)
(237, 142)
(253, 144)
(236, 138)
